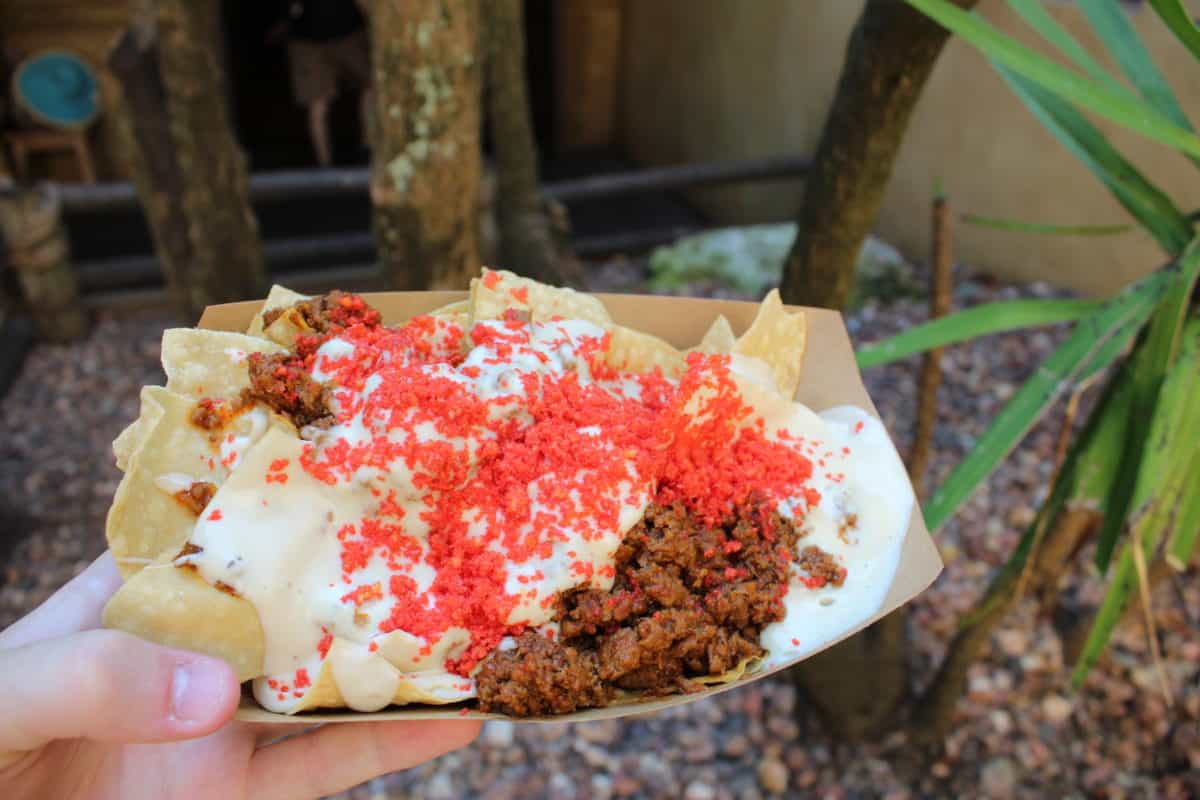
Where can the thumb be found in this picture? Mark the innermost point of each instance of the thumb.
(110, 686)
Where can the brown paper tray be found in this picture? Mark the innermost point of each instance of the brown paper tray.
(829, 377)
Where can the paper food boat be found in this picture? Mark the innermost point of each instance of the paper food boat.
(829, 377)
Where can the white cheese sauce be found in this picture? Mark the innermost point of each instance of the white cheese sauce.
(280, 535)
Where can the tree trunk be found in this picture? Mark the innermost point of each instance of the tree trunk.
(426, 165)
(216, 194)
(526, 243)
(857, 686)
(891, 52)
(38, 253)
(187, 166)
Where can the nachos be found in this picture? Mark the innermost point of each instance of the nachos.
(511, 501)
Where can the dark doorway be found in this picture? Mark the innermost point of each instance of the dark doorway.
(270, 125)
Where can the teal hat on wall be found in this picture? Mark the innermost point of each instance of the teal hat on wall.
(57, 89)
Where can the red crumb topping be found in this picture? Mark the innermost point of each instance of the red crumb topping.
(215, 516)
(498, 489)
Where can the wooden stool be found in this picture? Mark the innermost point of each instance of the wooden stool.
(41, 140)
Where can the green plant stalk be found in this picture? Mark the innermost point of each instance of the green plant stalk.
(1141, 467)
(982, 320)
(1165, 490)
(1180, 22)
(1148, 205)
(1187, 520)
(1117, 106)
(1104, 332)
(1088, 471)
(1042, 228)
(1147, 533)
(1182, 545)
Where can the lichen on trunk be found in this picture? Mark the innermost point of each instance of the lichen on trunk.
(426, 165)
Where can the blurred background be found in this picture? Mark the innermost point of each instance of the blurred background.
(901, 161)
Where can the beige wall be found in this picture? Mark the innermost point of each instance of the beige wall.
(708, 79)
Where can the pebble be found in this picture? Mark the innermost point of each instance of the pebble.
(998, 779)
(773, 775)
(561, 786)
(699, 790)
(736, 745)
(497, 733)
(1057, 709)
(601, 731)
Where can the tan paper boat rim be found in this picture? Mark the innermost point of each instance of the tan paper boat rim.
(681, 321)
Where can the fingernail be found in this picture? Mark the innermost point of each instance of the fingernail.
(193, 689)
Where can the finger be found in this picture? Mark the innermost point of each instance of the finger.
(336, 757)
(75, 607)
(110, 686)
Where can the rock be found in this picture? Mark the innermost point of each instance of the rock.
(601, 731)
(601, 786)
(1057, 709)
(497, 733)
(440, 787)
(736, 745)
(1001, 722)
(699, 790)
(998, 779)
(561, 787)
(625, 786)
(773, 775)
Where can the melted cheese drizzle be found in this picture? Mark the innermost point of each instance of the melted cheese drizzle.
(276, 531)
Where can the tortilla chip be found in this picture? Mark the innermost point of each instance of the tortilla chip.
(203, 363)
(278, 296)
(777, 337)
(145, 518)
(718, 340)
(286, 327)
(130, 439)
(635, 351)
(457, 312)
(175, 607)
(498, 291)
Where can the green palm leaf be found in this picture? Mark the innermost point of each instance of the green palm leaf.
(1170, 462)
(1037, 17)
(1146, 451)
(1148, 205)
(979, 321)
(1019, 226)
(1111, 23)
(1180, 23)
(1096, 341)
(1120, 107)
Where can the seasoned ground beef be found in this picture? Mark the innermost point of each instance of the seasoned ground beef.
(277, 381)
(196, 497)
(210, 414)
(688, 601)
(542, 677)
(320, 314)
(822, 566)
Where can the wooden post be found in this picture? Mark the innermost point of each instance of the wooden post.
(941, 263)
(31, 222)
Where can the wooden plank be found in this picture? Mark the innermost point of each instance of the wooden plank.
(587, 45)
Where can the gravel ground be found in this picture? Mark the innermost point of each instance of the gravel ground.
(1020, 731)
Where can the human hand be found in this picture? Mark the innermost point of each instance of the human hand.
(101, 713)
